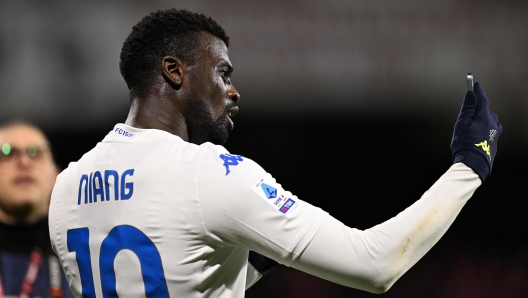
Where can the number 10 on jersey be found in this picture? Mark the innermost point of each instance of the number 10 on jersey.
(120, 237)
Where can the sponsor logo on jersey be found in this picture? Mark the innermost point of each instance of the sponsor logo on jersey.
(230, 160)
(269, 191)
(485, 147)
(287, 206)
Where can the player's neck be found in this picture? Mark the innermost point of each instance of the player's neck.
(145, 114)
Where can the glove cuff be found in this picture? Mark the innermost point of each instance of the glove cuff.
(473, 159)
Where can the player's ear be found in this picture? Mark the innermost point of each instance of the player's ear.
(172, 70)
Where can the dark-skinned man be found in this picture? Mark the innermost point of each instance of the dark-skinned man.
(159, 208)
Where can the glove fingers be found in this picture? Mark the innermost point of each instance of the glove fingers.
(474, 141)
(495, 118)
(469, 106)
(482, 99)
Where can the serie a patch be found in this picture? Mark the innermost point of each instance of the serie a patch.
(273, 193)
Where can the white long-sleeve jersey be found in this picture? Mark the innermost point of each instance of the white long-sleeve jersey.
(146, 214)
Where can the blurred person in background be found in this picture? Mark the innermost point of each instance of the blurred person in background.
(28, 266)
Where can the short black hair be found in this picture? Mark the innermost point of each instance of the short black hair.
(164, 32)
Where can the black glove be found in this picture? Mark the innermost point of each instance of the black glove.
(476, 133)
(261, 263)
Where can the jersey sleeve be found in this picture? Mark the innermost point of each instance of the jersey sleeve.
(374, 259)
(242, 205)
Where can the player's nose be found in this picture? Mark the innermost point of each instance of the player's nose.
(233, 94)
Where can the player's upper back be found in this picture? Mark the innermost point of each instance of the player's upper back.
(131, 203)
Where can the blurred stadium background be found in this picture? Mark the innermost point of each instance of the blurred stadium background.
(349, 104)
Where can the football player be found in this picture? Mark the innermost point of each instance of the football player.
(160, 208)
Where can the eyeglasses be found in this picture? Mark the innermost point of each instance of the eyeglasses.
(10, 153)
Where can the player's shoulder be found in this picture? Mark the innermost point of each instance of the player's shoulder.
(208, 149)
(73, 169)
(216, 161)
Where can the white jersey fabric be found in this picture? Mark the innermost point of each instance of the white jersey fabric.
(373, 259)
(161, 217)
(146, 214)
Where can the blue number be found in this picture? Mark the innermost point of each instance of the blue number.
(128, 237)
(78, 241)
(119, 238)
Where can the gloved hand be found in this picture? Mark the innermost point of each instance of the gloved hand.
(476, 133)
(261, 263)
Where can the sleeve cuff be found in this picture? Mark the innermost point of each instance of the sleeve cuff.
(473, 159)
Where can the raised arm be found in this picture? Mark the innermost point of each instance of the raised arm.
(372, 260)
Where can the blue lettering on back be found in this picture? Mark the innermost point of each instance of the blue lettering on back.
(129, 186)
(95, 186)
(115, 185)
(85, 179)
